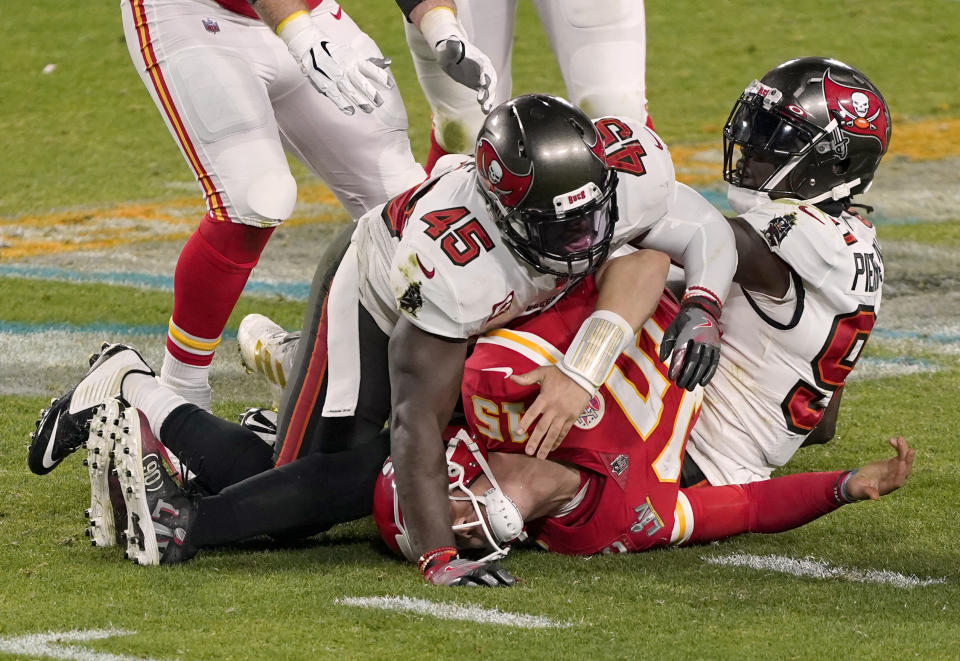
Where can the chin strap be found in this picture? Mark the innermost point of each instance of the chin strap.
(840, 192)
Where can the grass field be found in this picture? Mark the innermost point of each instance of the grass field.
(84, 146)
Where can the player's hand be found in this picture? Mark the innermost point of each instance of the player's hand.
(336, 70)
(692, 342)
(459, 58)
(470, 573)
(559, 404)
(878, 478)
(469, 66)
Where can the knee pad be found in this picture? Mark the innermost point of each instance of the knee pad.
(270, 198)
(622, 103)
(456, 129)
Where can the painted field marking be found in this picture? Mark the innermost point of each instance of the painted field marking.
(819, 569)
(258, 287)
(448, 611)
(55, 645)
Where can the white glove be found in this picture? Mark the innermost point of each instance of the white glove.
(460, 59)
(335, 70)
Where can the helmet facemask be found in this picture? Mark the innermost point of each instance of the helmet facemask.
(571, 239)
(780, 151)
(497, 516)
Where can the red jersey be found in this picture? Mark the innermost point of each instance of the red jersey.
(628, 443)
(243, 6)
(630, 438)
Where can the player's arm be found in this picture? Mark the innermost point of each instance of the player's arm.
(334, 69)
(758, 268)
(698, 237)
(425, 375)
(457, 56)
(783, 503)
(629, 289)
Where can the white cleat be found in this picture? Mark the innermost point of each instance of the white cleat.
(266, 348)
(104, 431)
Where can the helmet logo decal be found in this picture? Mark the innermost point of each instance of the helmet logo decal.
(510, 187)
(857, 111)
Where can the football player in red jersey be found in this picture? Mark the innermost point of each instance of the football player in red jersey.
(613, 484)
(236, 83)
(551, 195)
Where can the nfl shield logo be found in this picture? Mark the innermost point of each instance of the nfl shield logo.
(211, 25)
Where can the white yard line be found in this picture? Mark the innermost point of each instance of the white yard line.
(449, 611)
(58, 645)
(810, 568)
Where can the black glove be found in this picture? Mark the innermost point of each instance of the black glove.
(693, 339)
(470, 573)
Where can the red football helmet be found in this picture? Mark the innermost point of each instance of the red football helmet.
(466, 460)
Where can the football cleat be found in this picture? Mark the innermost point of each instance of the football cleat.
(262, 422)
(159, 511)
(104, 430)
(266, 348)
(63, 427)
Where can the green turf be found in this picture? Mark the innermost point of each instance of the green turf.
(110, 144)
(88, 136)
(28, 301)
(259, 601)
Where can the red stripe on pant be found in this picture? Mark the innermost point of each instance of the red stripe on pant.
(304, 408)
(213, 199)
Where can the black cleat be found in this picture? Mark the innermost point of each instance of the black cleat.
(63, 427)
(262, 422)
(159, 510)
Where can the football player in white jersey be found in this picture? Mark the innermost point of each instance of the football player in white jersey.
(810, 135)
(581, 34)
(236, 83)
(548, 197)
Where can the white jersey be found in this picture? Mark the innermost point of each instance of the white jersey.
(782, 359)
(435, 254)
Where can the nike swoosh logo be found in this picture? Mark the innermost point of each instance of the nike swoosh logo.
(432, 272)
(323, 45)
(48, 461)
(706, 324)
(507, 371)
(338, 14)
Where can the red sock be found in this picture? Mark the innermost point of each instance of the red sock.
(767, 506)
(211, 272)
(436, 151)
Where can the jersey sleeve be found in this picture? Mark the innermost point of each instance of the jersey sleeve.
(807, 239)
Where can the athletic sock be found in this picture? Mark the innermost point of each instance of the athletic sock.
(211, 273)
(154, 400)
(436, 152)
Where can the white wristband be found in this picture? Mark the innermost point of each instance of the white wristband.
(293, 26)
(601, 339)
(441, 23)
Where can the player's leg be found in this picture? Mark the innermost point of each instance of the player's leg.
(456, 114)
(601, 49)
(199, 64)
(365, 158)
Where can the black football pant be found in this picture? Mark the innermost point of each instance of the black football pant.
(323, 469)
